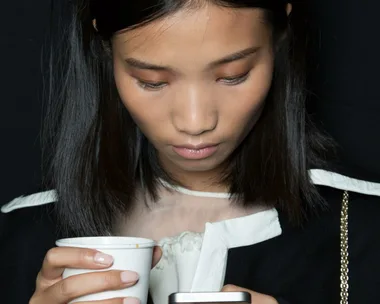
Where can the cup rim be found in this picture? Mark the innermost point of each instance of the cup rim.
(106, 242)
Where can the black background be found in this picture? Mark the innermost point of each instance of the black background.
(23, 26)
(347, 74)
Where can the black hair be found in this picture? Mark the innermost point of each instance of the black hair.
(96, 155)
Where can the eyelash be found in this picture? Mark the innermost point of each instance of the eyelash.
(236, 79)
(151, 86)
(156, 86)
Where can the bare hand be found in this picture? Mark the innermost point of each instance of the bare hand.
(257, 298)
(52, 289)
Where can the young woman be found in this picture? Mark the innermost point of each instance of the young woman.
(185, 122)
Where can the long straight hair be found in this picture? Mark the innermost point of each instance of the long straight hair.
(96, 156)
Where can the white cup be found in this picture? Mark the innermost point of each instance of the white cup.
(133, 254)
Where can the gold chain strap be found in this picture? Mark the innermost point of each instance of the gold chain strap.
(344, 250)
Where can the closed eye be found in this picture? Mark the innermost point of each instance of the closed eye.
(234, 80)
(151, 86)
(155, 86)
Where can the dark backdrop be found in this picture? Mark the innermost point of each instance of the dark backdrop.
(23, 24)
(347, 81)
(345, 73)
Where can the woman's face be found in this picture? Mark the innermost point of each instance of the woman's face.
(195, 84)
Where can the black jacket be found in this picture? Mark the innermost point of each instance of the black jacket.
(301, 266)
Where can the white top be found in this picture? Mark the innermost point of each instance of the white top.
(196, 229)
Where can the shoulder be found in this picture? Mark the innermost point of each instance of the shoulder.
(324, 179)
(341, 182)
(27, 231)
(319, 177)
(269, 267)
(30, 216)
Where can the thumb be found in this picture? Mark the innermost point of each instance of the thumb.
(157, 254)
(233, 288)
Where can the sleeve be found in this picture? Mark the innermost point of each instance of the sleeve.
(25, 237)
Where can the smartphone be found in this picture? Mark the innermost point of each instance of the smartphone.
(210, 297)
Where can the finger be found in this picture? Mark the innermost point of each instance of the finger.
(57, 259)
(113, 301)
(80, 285)
(157, 254)
(233, 288)
(255, 296)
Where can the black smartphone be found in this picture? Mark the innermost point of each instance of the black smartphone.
(210, 297)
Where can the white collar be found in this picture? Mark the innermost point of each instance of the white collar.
(318, 177)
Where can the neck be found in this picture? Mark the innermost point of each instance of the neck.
(204, 181)
(201, 181)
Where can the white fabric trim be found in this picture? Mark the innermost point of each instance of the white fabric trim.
(221, 236)
(341, 182)
(37, 199)
(319, 177)
(197, 262)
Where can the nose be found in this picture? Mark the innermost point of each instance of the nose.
(195, 112)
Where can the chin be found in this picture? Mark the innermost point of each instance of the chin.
(199, 166)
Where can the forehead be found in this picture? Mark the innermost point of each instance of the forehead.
(206, 31)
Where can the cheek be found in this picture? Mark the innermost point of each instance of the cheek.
(148, 117)
(245, 104)
(243, 119)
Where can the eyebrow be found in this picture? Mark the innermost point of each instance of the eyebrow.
(142, 65)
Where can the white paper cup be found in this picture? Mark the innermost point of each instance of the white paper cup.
(133, 254)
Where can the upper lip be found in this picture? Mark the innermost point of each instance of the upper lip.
(195, 147)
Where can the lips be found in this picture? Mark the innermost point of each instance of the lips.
(197, 152)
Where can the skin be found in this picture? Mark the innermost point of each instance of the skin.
(52, 289)
(196, 104)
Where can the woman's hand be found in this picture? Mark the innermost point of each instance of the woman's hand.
(257, 298)
(52, 289)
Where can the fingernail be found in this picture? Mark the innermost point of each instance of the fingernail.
(129, 277)
(131, 301)
(103, 259)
